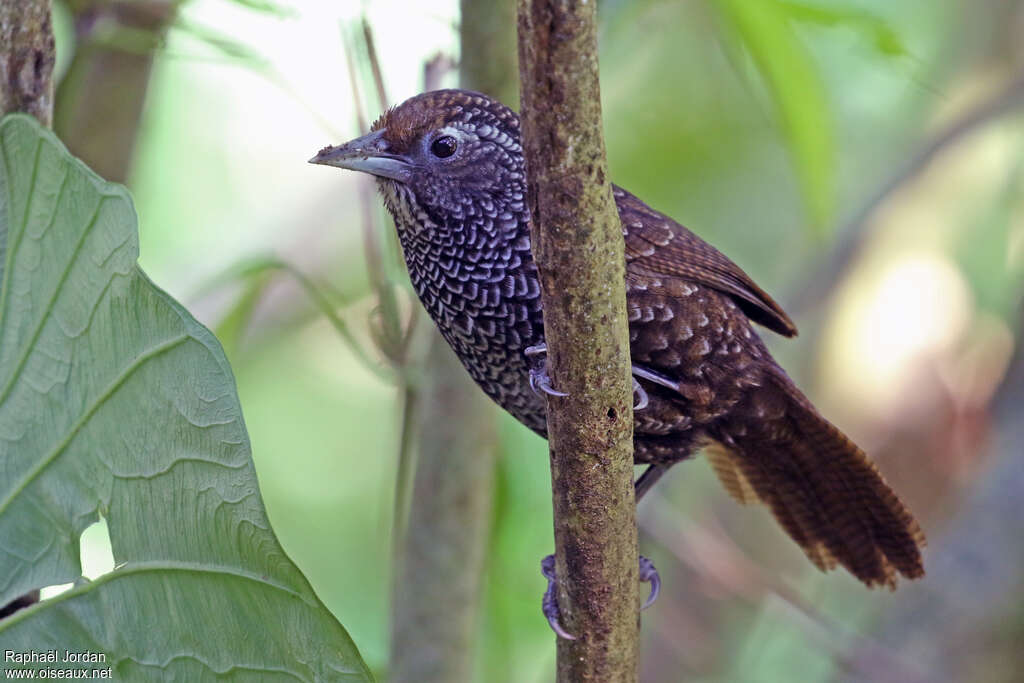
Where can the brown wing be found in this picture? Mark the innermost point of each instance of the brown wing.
(657, 245)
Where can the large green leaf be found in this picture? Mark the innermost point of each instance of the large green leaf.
(114, 401)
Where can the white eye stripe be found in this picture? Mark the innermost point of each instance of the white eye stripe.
(464, 132)
(459, 134)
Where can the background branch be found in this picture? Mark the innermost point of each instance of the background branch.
(443, 551)
(578, 246)
(100, 98)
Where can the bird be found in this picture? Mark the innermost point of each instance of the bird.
(449, 166)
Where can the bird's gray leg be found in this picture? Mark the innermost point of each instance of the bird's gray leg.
(647, 573)
(540, 382)
(651, 376)
(656, 377)
(648, 479)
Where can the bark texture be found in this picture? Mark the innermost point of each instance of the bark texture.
(26, 59)
(578, 247)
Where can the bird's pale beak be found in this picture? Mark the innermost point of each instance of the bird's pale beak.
(368, 154)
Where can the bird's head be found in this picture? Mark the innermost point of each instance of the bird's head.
(446, 153)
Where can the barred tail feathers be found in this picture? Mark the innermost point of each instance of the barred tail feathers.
(823, 490)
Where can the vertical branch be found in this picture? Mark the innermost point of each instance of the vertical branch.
(378, 76)
(438, 587)
(26, 59)
(449, 522)
(487, 49)
(578, 246)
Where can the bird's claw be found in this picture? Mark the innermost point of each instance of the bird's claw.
(648, 574)
(540, 382)
(549, 605)
(651, 376)
(641, 396)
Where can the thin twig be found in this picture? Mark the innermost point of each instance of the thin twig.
(405, 471)
(254, 267)
(721, 563)
(371, 52)
(353, 79)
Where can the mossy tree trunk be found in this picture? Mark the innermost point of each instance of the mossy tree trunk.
(578, 246)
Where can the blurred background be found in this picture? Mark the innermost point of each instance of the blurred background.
(863, 160)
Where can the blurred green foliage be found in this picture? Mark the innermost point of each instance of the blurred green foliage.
(764, 29)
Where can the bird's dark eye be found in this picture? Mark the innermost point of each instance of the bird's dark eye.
(444, 147)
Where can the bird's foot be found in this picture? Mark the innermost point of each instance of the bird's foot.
(648, 574)
(549, 605)
(540, 382)
(651, 376)
(641, 396)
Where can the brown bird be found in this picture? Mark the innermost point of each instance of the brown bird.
(450, 168)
